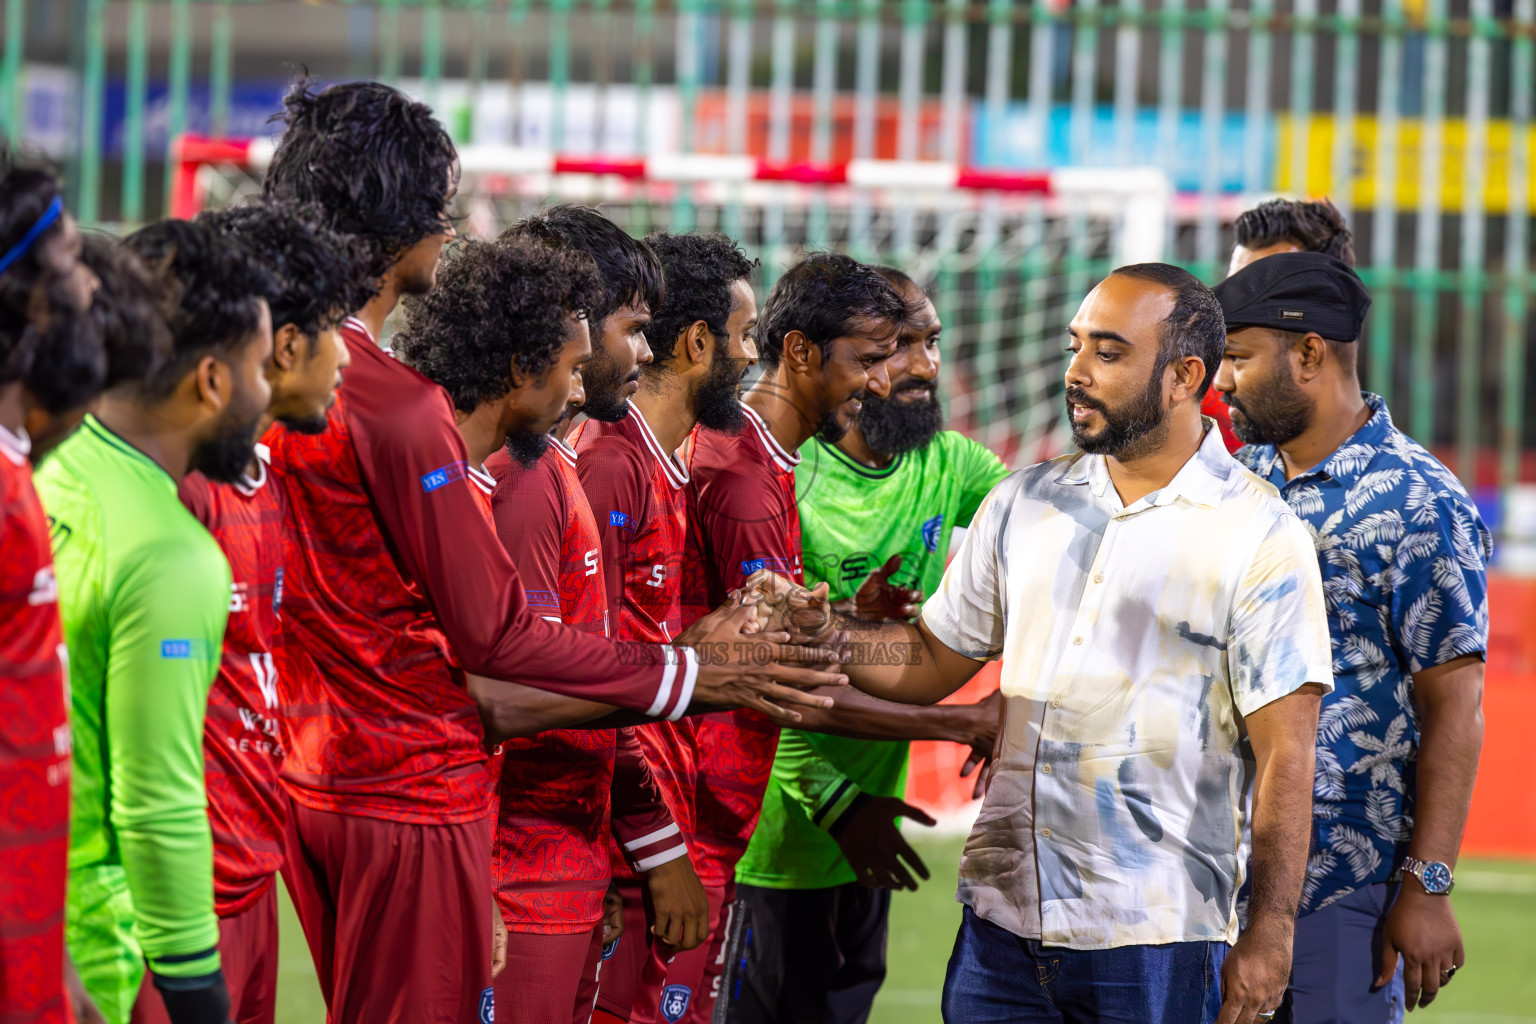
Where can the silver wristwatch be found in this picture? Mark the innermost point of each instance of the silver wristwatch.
(1433, 875)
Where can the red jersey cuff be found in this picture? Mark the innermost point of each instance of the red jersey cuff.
(677, 682)
(657, 848)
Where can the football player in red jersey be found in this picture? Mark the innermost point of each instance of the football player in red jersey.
(398, 592)
(321, 277)
(634, 484)
(46, 295)
(524, 303)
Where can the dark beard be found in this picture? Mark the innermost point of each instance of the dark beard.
(1128, 432)
(891, 426)
(226, 456)
(307, 424)
(527, 449)
(1277, 412)
(718, 401)
(601, 379)
(831, 429)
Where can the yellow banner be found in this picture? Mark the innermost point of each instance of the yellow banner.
(1317, 135)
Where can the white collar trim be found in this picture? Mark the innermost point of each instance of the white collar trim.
(676, 473)
(356, 324)
(564, 450)
(482, 479)
(786, 461)
(16, 446)
(248, 485)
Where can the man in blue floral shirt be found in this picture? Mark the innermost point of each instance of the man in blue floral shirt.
(1403, 555)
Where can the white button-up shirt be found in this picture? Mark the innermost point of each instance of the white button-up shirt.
(1134, 639)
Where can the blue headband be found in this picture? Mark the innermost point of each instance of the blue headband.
(44, 222)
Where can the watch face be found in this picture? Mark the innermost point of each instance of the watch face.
(1436, 877)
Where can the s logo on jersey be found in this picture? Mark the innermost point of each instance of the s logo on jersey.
(592, 559)
(674, 1002)
(931, 532)
(45, 588)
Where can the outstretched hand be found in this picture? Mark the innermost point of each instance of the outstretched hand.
(874, 847)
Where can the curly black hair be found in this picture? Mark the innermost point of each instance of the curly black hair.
(133, 331)
(496, 305)
(209, 289)
(323, 272)
(1314, 225)
(823, 297)
(25, 193)
(700, 269)
(377, 161)
(629, 271)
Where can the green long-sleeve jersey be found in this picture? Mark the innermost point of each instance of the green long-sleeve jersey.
(852, 519)
(144, 593)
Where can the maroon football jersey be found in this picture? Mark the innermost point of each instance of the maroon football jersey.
(243, 740)
(742, 518)
(396, 587)
(550, 849)
(637, 493)
(34, 752)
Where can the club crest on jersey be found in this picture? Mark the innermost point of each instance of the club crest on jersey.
(443, 476)
(674, 1002)
(611, 948)
(931, 532)
(487, 1013)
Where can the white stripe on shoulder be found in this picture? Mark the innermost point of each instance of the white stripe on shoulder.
(786, 460)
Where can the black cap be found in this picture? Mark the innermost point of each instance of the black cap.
(1296, 291)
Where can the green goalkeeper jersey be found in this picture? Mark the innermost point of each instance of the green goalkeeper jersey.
(144, 593)
(852, 519)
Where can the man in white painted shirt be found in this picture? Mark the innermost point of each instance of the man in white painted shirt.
(1159, 613)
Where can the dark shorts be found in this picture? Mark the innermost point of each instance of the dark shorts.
(995, 977)
(549, 978)
(645, 983)
(1338, 951)
(397, 916)
(806, 956)
(248, 958)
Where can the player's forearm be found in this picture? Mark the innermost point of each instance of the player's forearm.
(902, 663)
(169, 866)
(1450, 741)
(1282, 824)
(857, 715)
(512, 710)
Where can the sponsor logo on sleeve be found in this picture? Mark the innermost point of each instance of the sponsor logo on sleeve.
(674, 1002)
(443, 476)
(178, 649)
(752, 565)
(621, 520)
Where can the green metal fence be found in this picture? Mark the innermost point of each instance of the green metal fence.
(1415, 117)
